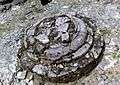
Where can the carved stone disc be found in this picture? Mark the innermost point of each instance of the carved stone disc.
(61, 48)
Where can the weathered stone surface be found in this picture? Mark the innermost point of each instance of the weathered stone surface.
(54, 62)
(7, 4)
(23, 16)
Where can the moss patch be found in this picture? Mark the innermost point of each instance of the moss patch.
(116, 55)
(5, 28)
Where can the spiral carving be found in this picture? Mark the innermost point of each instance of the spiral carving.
(62, 48)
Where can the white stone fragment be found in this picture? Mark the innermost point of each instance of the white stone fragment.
(75, 64)
(29, 77)
(0, 83)
(65, 7)
(43, 38)
(74, 69)
(60, 66)
(39, 69)
(15, 8)
(31, 82)
(65, 36)
(32, 56)
(31, 31)
(55, 46)
(61, 20)
(87, 56)
(25, 43)
(63, 27)
(51, 74)
(21, 75)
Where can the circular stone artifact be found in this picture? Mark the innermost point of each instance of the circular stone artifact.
(61, 48)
